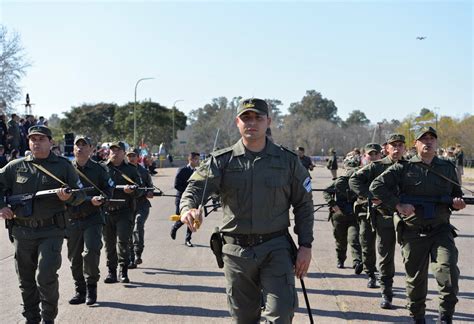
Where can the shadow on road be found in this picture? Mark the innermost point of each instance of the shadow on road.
(167, 309)
(380, 318)
(187, 288)
(174, 272)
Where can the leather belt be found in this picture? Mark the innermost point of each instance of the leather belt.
(246, 240)
(34, 222)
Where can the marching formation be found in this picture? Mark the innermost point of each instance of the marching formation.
(383, 197)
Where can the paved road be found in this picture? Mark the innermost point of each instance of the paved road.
(177, 284)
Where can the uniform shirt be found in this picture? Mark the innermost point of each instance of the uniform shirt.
(332, 162)
(339, 193)
(20, 176)
(115, 173)
(99, 175)
(411, 178)
(256, 190)
(147, 182)
(360, 181)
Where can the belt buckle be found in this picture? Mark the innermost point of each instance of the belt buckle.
(34, 223)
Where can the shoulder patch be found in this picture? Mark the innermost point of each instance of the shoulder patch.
(287, 150)
(307, 184)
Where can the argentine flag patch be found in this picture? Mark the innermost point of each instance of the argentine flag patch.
(111, 183)
(307, 184)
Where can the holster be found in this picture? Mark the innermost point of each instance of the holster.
(399, 225)
(216, 244)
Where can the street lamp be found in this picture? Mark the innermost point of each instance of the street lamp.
(174, 108)
(135, 111)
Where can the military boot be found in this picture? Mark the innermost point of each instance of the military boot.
(444, 319)
(111, 276)
(138, 259)
(91, 296)
(372, 283)
(78, 298)
(358, 267)
(340, 264)
(386, 302)
(124, 274)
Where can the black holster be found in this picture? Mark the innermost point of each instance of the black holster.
(216, 246)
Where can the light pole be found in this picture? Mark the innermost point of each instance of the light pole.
(135, 112)
(174, 108)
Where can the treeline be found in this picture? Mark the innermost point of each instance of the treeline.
(312, 123)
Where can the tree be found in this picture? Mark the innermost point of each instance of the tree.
(96, 121)
(314, 106)
(13, 65)
(357, 117)
(424, 111)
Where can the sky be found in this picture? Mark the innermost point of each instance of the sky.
(362, 55)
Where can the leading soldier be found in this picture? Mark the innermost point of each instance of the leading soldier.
(39, 226)
(423, 191)
(84, 230)
(258, 181)
(382, 216)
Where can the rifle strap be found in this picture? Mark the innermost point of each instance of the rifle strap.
(126, 177)
(81, 174)
(427, 167)
(45, 171)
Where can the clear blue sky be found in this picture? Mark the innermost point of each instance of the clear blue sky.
(362, 55)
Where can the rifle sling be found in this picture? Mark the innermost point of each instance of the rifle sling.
(45, 171)
(427, 167)
(126, 177)
(90, 181)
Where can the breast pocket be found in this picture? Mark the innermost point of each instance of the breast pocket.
(23, 178)
(233, 190)
(278, 189)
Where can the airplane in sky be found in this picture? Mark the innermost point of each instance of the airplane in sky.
(421, 37)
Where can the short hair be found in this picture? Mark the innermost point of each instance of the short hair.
(300, 148)
(192, 155)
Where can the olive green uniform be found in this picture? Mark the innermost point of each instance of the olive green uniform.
(256, 191)
(344, 222)
(141, 215)
(383, 220)
(38, 237)
(119, 217)
(84, 230)
(424, 238)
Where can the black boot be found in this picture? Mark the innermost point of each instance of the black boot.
(372, 283)
(78, 298)
(444, 319)
(111, 276)
(386, 302)
(91, 296)
(358, 267)
(340, 264)
(138, 259)
(124, 274)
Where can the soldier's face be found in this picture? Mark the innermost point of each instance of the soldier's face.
(132, 158)
(82, 150)
(40, 146)
(116, 155)
(426, 145)
(194, 162)
(252, 126)
(373, 156)
(395, 150)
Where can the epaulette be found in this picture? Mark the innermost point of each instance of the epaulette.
(288, 150)
(222, 151)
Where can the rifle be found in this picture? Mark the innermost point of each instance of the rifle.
(371, 218)
(161, 194)
(25, 201)
(428, 203)
(133, 187)
(105, 199)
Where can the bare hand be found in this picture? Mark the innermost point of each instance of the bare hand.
(129, 189)
(63, 194)
(192, 218)
(405, 209)
(335, 209)
(97, 200)
(149, 195)
(376, 201)
(458, 203)
(6, 213)
(303, 259)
